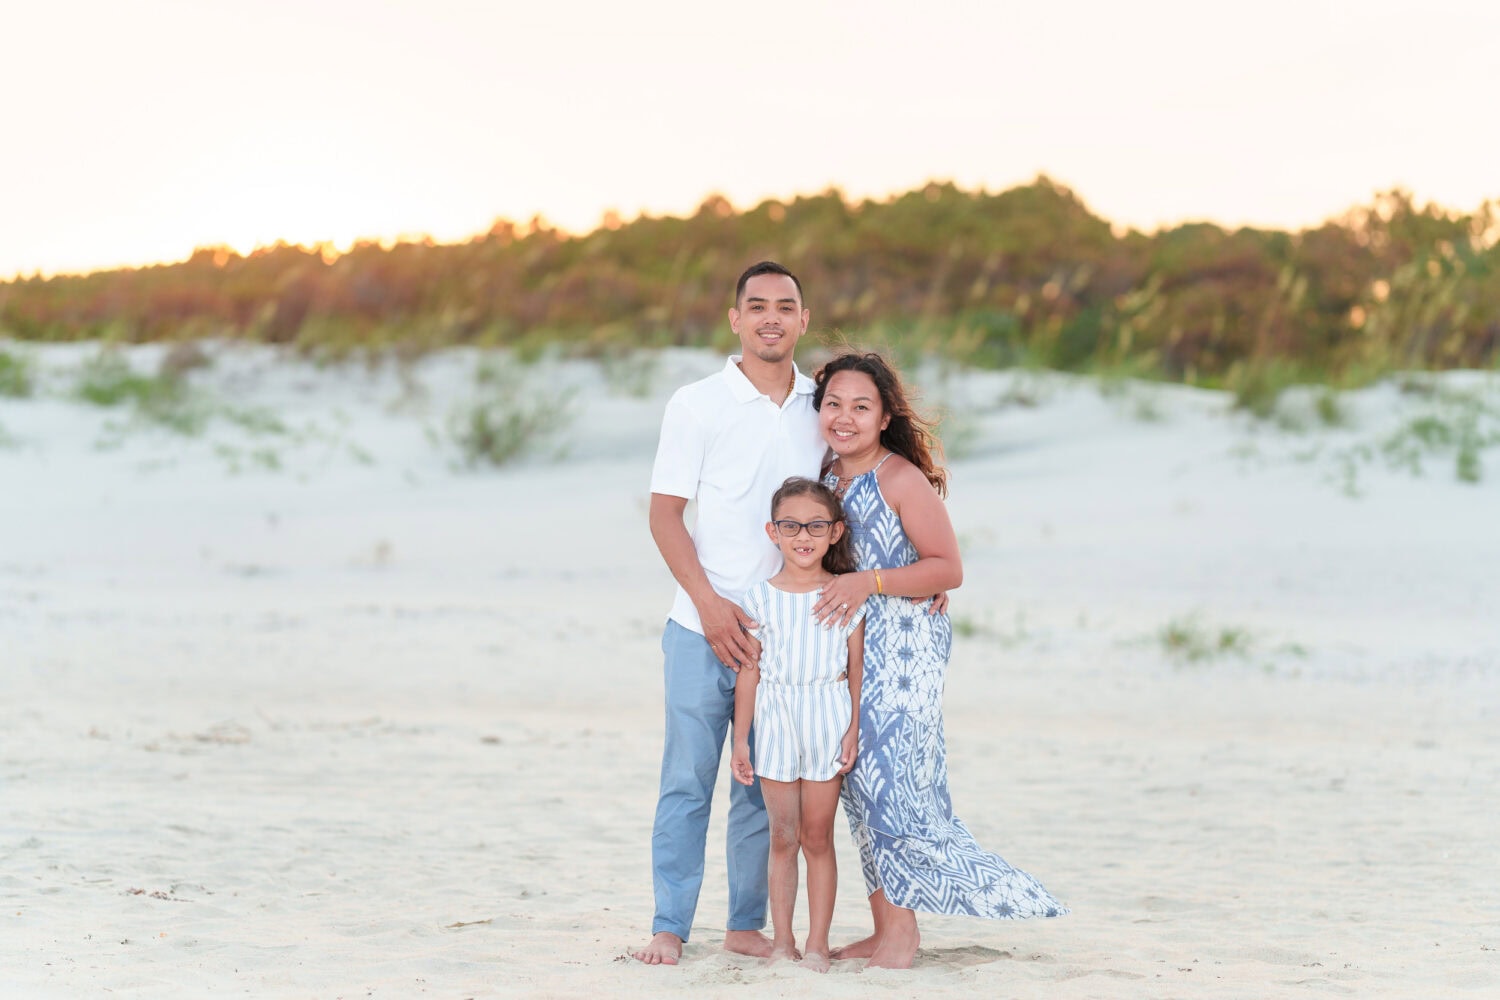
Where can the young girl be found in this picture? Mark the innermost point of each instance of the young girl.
(804, 701)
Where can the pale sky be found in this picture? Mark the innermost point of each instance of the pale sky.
(135, 131)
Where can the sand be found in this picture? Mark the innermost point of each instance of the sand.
(323, 712)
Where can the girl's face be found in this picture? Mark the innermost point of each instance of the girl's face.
(802, 516)
(852, 416)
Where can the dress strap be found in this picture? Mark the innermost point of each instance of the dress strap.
(842, 483)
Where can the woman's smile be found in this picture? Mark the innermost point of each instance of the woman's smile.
(851, 415)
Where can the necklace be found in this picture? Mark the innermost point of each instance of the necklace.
(791, 383)
(844, 482)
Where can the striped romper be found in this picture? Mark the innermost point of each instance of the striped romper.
(802, 704)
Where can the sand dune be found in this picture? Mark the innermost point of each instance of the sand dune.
(320, 711)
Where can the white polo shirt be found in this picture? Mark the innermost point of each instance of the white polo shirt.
(727, 446)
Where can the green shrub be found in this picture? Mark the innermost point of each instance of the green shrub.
(506, 421)
(16, 378)
(1460, 424)
(183, 357)
(630, 372)
(1257, 385)
(1330, 409)
(497, 431)
(1189, 640)
(163, 399)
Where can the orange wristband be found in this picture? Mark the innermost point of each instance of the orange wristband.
(879, 587)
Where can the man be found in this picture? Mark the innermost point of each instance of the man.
(727, 441)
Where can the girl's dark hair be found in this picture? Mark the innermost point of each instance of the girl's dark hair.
(908, 434)
(840, 555)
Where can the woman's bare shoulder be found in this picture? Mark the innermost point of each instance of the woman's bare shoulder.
(899, 473)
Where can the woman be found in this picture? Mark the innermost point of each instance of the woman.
(915, 853)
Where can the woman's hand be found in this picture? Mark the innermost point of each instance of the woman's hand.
(849, 748)
(739, 763)
(842, 596)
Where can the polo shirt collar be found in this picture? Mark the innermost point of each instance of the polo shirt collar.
(744, 391)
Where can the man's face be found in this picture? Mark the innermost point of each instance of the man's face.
(769, 318)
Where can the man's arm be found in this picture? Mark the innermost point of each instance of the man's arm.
(724, 622)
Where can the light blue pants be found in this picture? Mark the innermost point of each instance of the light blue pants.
(700, 714)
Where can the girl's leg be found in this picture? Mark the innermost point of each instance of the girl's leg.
(897, 938)
(820, 801)
(783, 808)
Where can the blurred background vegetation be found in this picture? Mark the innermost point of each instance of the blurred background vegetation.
(1027, 276)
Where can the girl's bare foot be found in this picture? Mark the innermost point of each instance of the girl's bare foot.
(815, 960)
(785, 950)
(863, 948)
(665, 949)
(752, 943)
(897, 947)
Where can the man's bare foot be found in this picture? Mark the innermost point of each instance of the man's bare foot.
(665, 949)
(815, 960)
(897, 948)
(863, 948)
(752, 943)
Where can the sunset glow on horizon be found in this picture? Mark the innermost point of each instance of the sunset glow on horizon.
(151, 129)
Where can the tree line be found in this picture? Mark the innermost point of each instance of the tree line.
(1024, 276)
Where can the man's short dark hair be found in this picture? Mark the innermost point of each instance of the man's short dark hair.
(756, 270)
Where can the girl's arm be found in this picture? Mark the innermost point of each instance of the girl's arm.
(850, 745)
(745, 684)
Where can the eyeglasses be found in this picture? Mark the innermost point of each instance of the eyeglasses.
(790, 528)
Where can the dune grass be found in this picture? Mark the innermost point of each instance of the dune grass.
(17, 375)
(630, 371)
(1190, 640)
(506, 418)
(1027, 277)
(1452, 428)
(163, 400)
(1456, 427)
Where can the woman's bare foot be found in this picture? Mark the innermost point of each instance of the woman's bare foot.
(863, 948)
(665, 949)
(897, 947)
(785, 950)
(815, 960)
(752, 943)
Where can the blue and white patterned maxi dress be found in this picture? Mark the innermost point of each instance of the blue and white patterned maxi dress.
(896, 797)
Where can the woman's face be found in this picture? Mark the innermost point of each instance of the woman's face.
(852, 416)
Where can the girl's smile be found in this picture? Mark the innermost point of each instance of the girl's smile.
(802, 552)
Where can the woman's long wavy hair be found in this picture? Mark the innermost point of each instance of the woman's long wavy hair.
(908, 434)
(840, 555)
